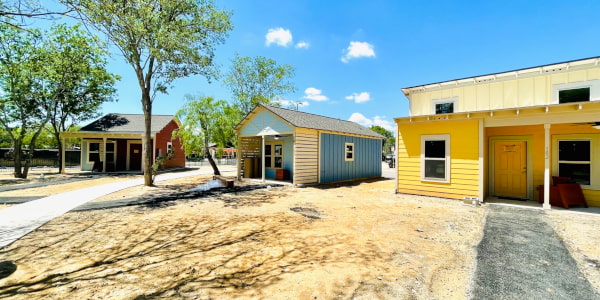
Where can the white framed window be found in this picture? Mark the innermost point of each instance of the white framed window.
(435, 158)
(444, 106)
(169, 146)
(574, 156)
(349, 151)
(575, 160)
(274, 155)
(581, 91)
(95, 150)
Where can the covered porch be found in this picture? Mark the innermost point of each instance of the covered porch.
(108, 152)
(543, 156)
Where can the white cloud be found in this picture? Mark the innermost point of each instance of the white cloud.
(278, 36)
(358, 49)
(302, 45)
(376, 121)
(314, 94)
(359, 97)
(292, 104)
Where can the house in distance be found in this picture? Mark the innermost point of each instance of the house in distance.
(114, 142)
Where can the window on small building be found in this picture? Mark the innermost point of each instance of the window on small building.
(349, 151)
(435, 158)
(574, 160)
(93, 152)
(444, 106)
(274, 156)
(574, 95)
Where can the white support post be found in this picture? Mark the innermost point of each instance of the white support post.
(481, 161)
(103, 154)
(263, 159)
(546, 204)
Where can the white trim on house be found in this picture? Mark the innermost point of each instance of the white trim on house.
(446, 159)
(594, 86)
(349, 151)
(594, 140)
(453, 100)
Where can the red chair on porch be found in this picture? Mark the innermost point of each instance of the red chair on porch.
(571, 194)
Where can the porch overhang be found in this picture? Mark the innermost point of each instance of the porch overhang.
(581, 112)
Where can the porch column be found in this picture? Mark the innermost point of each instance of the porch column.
(546, 204)
(103, 154)
(263, 158)
(62, 155)
(481, 162)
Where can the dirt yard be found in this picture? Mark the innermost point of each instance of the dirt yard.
(331, 242)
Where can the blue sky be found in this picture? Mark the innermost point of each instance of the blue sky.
(353, 57)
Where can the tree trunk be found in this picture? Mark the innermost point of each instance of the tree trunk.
(147, 141)
(17, 159)
(60, 148)
(210, 158)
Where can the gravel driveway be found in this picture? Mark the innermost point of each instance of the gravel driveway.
(521, 257)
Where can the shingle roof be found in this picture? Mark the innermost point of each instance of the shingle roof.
(312, 121)
(130, 123)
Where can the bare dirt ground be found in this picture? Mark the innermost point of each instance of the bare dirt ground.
(580, 234)
(356, 241)
(333, 242)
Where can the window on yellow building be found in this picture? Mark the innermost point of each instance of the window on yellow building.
(574, 160)
(443, 106)
(574, 95)
(435, 158)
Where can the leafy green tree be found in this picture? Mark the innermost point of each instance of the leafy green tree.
(23, 100)
(206, 120)
(76, 78)
(162, 40)
(388, 142)
(258, 80)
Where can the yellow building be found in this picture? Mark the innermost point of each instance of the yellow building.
(504, 135)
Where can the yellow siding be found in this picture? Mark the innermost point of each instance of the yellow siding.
(513, 92)
(306, 156)
(464, 159)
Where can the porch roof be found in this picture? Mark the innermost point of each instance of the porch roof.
(580, 112)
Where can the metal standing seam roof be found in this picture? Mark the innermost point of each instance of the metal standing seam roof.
(312, 121)
(129, 123)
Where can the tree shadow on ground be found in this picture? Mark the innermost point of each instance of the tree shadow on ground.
(232, 196)
(96, 253)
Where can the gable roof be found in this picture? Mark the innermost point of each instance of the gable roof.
(126, 123)
(312, 121)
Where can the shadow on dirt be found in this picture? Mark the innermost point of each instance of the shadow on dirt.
(349, 184)
(196, 255)
(176, 193)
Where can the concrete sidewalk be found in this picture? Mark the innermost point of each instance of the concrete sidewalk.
(18, 220)
(521, 257)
